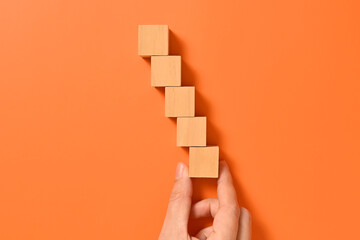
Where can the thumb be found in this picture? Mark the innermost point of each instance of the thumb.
(178, 211)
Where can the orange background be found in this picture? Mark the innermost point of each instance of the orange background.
(85, 149)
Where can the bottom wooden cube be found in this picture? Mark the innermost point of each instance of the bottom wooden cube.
(204, 162)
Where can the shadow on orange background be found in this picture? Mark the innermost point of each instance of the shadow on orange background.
(85, 149)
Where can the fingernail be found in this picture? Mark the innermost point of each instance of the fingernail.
(179, 170)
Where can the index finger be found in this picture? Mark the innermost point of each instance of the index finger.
(225, 190)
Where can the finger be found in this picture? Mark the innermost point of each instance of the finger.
(244, 232)
(178, 211)
(226, 223)
(226, 191)
(205, 208)
(203, 234)
(226, 220)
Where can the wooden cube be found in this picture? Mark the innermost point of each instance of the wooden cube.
(204, 162)
(153, 40)
(191, 131)
(179, 101)
(165, 71)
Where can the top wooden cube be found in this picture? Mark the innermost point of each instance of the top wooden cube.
(153, 40)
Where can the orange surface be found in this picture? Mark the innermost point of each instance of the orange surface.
(85, 149)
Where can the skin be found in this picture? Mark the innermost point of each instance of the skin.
(230, 221)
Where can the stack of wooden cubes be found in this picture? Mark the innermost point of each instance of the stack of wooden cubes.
(153, 41)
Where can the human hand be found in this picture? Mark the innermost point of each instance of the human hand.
(230, 221)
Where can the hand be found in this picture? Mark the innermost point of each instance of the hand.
(230, 221)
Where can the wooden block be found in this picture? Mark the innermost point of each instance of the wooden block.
(179, 101)
(204, 162)
(191, 131)
(153, 40)
(165, 71)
